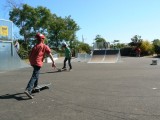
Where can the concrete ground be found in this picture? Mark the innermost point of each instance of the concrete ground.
(128, 90)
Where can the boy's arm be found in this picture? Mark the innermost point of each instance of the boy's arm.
(53, 63)
(70, 53)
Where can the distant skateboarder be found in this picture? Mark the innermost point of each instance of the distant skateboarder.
(68, 56)
(36, 60)
(138, 52)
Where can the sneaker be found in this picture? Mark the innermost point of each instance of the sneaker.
(28, 94)
(64, 68)
(37, 89)
(70, 69)
(34, 90)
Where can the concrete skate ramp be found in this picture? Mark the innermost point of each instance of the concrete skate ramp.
(112, 56)
(105, 56)
(97, 56)
(10, 60)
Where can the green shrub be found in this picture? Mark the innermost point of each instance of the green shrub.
(127, 51)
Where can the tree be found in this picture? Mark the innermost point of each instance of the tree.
(99, 39)
(146, 48)
(11, 4)
(70, 28)
(101, 42)
(55, 30)
(156, 44)
(62, 30)
(84, 48)
(120, 45)
(136, 40)
(8, 6)
(42, 20)
(30, 20)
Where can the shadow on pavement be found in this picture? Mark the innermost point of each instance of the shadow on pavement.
(49, 72)
(53, 72)
(17, 96)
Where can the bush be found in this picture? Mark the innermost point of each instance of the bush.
(146, 48)
(127, 51)
(23, 53)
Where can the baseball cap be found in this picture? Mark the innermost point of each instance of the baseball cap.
(39, 36)
(63, 44)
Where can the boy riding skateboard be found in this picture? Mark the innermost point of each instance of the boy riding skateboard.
(36, 60)
(68, 56)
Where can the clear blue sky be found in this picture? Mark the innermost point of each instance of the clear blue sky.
(112, 19)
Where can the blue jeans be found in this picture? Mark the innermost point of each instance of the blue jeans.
(34, 79)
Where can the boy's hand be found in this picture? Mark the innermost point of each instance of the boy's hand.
(53, 65)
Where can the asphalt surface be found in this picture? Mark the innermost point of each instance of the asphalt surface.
(128, 90)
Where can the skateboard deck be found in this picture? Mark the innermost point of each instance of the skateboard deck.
(41, 87)
(60, 70)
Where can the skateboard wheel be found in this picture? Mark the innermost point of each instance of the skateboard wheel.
(47, 87)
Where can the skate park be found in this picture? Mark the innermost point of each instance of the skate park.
(125, 90)
(100, 87)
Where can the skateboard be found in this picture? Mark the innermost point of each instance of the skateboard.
(41, 87)
(60, 70)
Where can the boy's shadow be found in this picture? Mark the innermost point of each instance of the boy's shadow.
(56, 71)
(17, 96)
(50, 72)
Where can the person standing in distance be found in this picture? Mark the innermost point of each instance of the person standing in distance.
(68, 56)
(17, 46)
(36, 60)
